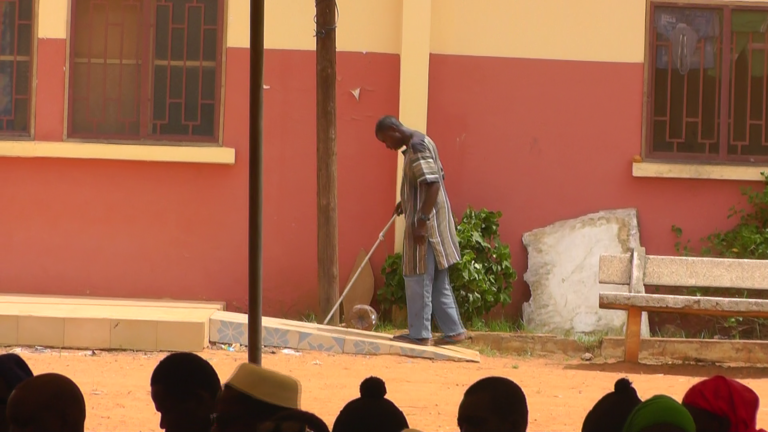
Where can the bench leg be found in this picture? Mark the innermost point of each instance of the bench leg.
(632, 338)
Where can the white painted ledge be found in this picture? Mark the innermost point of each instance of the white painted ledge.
(125, 152)
(698, 171)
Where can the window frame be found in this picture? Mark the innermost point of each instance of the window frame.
(30, 134)
(146, 87)
(722, 157)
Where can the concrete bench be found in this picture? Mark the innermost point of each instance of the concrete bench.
(637, 270)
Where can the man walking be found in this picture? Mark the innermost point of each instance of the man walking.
(430, 244)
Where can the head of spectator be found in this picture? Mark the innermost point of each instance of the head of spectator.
(294, 421)
(252, 396)
(371, 412)
(493, 404)
(46, 403)
(722, 404)
(660, 414)
(13, 370)
(610, 413)
(184, 390)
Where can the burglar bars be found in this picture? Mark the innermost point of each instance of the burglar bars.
(146, 70)
(16, 45)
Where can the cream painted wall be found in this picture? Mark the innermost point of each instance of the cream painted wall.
(52, 18)
(588, 30)
(364, 25)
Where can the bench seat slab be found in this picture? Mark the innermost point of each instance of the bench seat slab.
(714, 306)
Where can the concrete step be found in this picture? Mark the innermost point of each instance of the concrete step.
(169, 325)
(110, 301)
(105, 323)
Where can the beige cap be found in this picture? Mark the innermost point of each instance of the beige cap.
(266, 385)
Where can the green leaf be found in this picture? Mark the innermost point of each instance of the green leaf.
(483, 277)
(747, 239)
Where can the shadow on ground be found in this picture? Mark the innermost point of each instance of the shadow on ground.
(684, 370)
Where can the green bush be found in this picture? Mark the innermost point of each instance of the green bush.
(747, 240)
(393, 292)
(481, 280)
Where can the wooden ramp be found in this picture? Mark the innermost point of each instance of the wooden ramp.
(232, 328)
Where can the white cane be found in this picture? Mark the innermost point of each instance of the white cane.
(357, 273)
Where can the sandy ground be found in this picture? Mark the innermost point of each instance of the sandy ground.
(560, 392)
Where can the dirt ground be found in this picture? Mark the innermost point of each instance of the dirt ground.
(559, 391)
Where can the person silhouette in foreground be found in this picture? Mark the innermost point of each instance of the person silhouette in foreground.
(660, 414)
(611, 412)
(47, 403)
(493, 404)
(184, 390)
(371, 412)
(13, 370)
(252, 396)
(720, 404)
(294, 421)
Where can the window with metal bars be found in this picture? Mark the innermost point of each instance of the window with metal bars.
(16, 52)
(705, 102)
(145, 70)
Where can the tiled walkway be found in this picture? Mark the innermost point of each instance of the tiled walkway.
(232, 328)
(168, 325)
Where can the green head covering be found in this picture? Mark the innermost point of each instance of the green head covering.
(659, 409)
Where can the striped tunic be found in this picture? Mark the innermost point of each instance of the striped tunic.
(422, 165)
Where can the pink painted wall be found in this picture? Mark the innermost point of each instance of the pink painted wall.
(540, 140)
(164, 230)
(547, 140)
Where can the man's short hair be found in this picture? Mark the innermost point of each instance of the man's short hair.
(507, 399)
(386, 122)
(182, 372)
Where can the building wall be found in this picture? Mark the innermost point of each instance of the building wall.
(122, 228)
(538, 121)
(539, 115)
(82, 226)
(368, 44)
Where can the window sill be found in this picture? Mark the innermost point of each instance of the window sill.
(698, 171)
(145, 153)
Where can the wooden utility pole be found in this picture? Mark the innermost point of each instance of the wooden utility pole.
(327, 223)
(254, 181)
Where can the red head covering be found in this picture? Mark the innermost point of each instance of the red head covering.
(727, 398)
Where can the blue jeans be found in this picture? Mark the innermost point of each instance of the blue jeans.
(420, 291)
